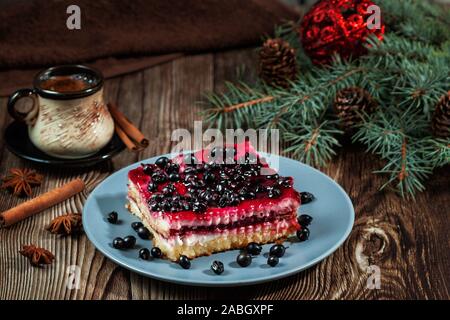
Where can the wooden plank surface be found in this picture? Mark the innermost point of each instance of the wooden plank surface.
(408, 240)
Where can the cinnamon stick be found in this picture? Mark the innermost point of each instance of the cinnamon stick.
(126, 140)
(41, 203)
(126, 126)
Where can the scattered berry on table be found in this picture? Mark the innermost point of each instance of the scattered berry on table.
(303, 234)
(156, 252)
(217, 267)
(305, 220)
(254, 248)
(136, 225)
(273, 261)
(118, 243)
(244, 259)
(184, 262)
(112, 217)
(129, 242)
(306, 197)
(144, 254)
(143, 233)
(277, 250)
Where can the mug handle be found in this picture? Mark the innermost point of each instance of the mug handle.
(29, 116)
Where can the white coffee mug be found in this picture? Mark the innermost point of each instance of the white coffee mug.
(69, 118)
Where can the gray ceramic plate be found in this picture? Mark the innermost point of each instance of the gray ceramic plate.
(333, 220)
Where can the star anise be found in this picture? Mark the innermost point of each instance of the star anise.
(37, 256)
(66, 224)
(20, 181)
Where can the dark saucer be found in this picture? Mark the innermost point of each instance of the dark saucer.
(18, 142)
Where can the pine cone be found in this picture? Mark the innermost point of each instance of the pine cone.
(277, 64)
(348, 102)
(440, 124)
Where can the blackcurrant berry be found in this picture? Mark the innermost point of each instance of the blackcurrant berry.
(209, 177)
(306, 197)
(277, 250)
(148, 170)
(158, 177)
(152, 187)
(274, 192)
(154, 206)
(112, 217)
(136, 225)
(118, 243)
(168, 190)
(244, 259)
(144, 254)
(173, 168)
(303, 234)
(198, 206)
(143, 233)
(274, 176)
(217, 267)
(156, 252)
(184, 262)
(129, 242)
(254, 248)
(273, 261)
(304, 220)
(162, 162)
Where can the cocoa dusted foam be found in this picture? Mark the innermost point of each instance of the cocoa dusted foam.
(64, 84)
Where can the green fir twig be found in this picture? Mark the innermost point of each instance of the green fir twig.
(406, 73)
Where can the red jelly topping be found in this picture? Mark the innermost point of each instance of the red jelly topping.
(194, 192)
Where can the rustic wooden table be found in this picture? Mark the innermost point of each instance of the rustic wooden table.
(408, 240)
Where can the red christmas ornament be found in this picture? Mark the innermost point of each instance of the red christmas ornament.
(337, 26)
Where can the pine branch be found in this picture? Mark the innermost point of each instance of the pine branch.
(236, 107)
(406, 167)
(314, 144)
(417, 20)
(421, 85)
(416, 73)
(394, 47)
(399, 139)
(404, 152)
(241, 97)
(440, 154)
(247, 104)
(406, 74)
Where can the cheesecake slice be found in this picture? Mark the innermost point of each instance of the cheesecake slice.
(196, 206)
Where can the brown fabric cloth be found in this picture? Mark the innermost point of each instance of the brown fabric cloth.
(115, 35)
